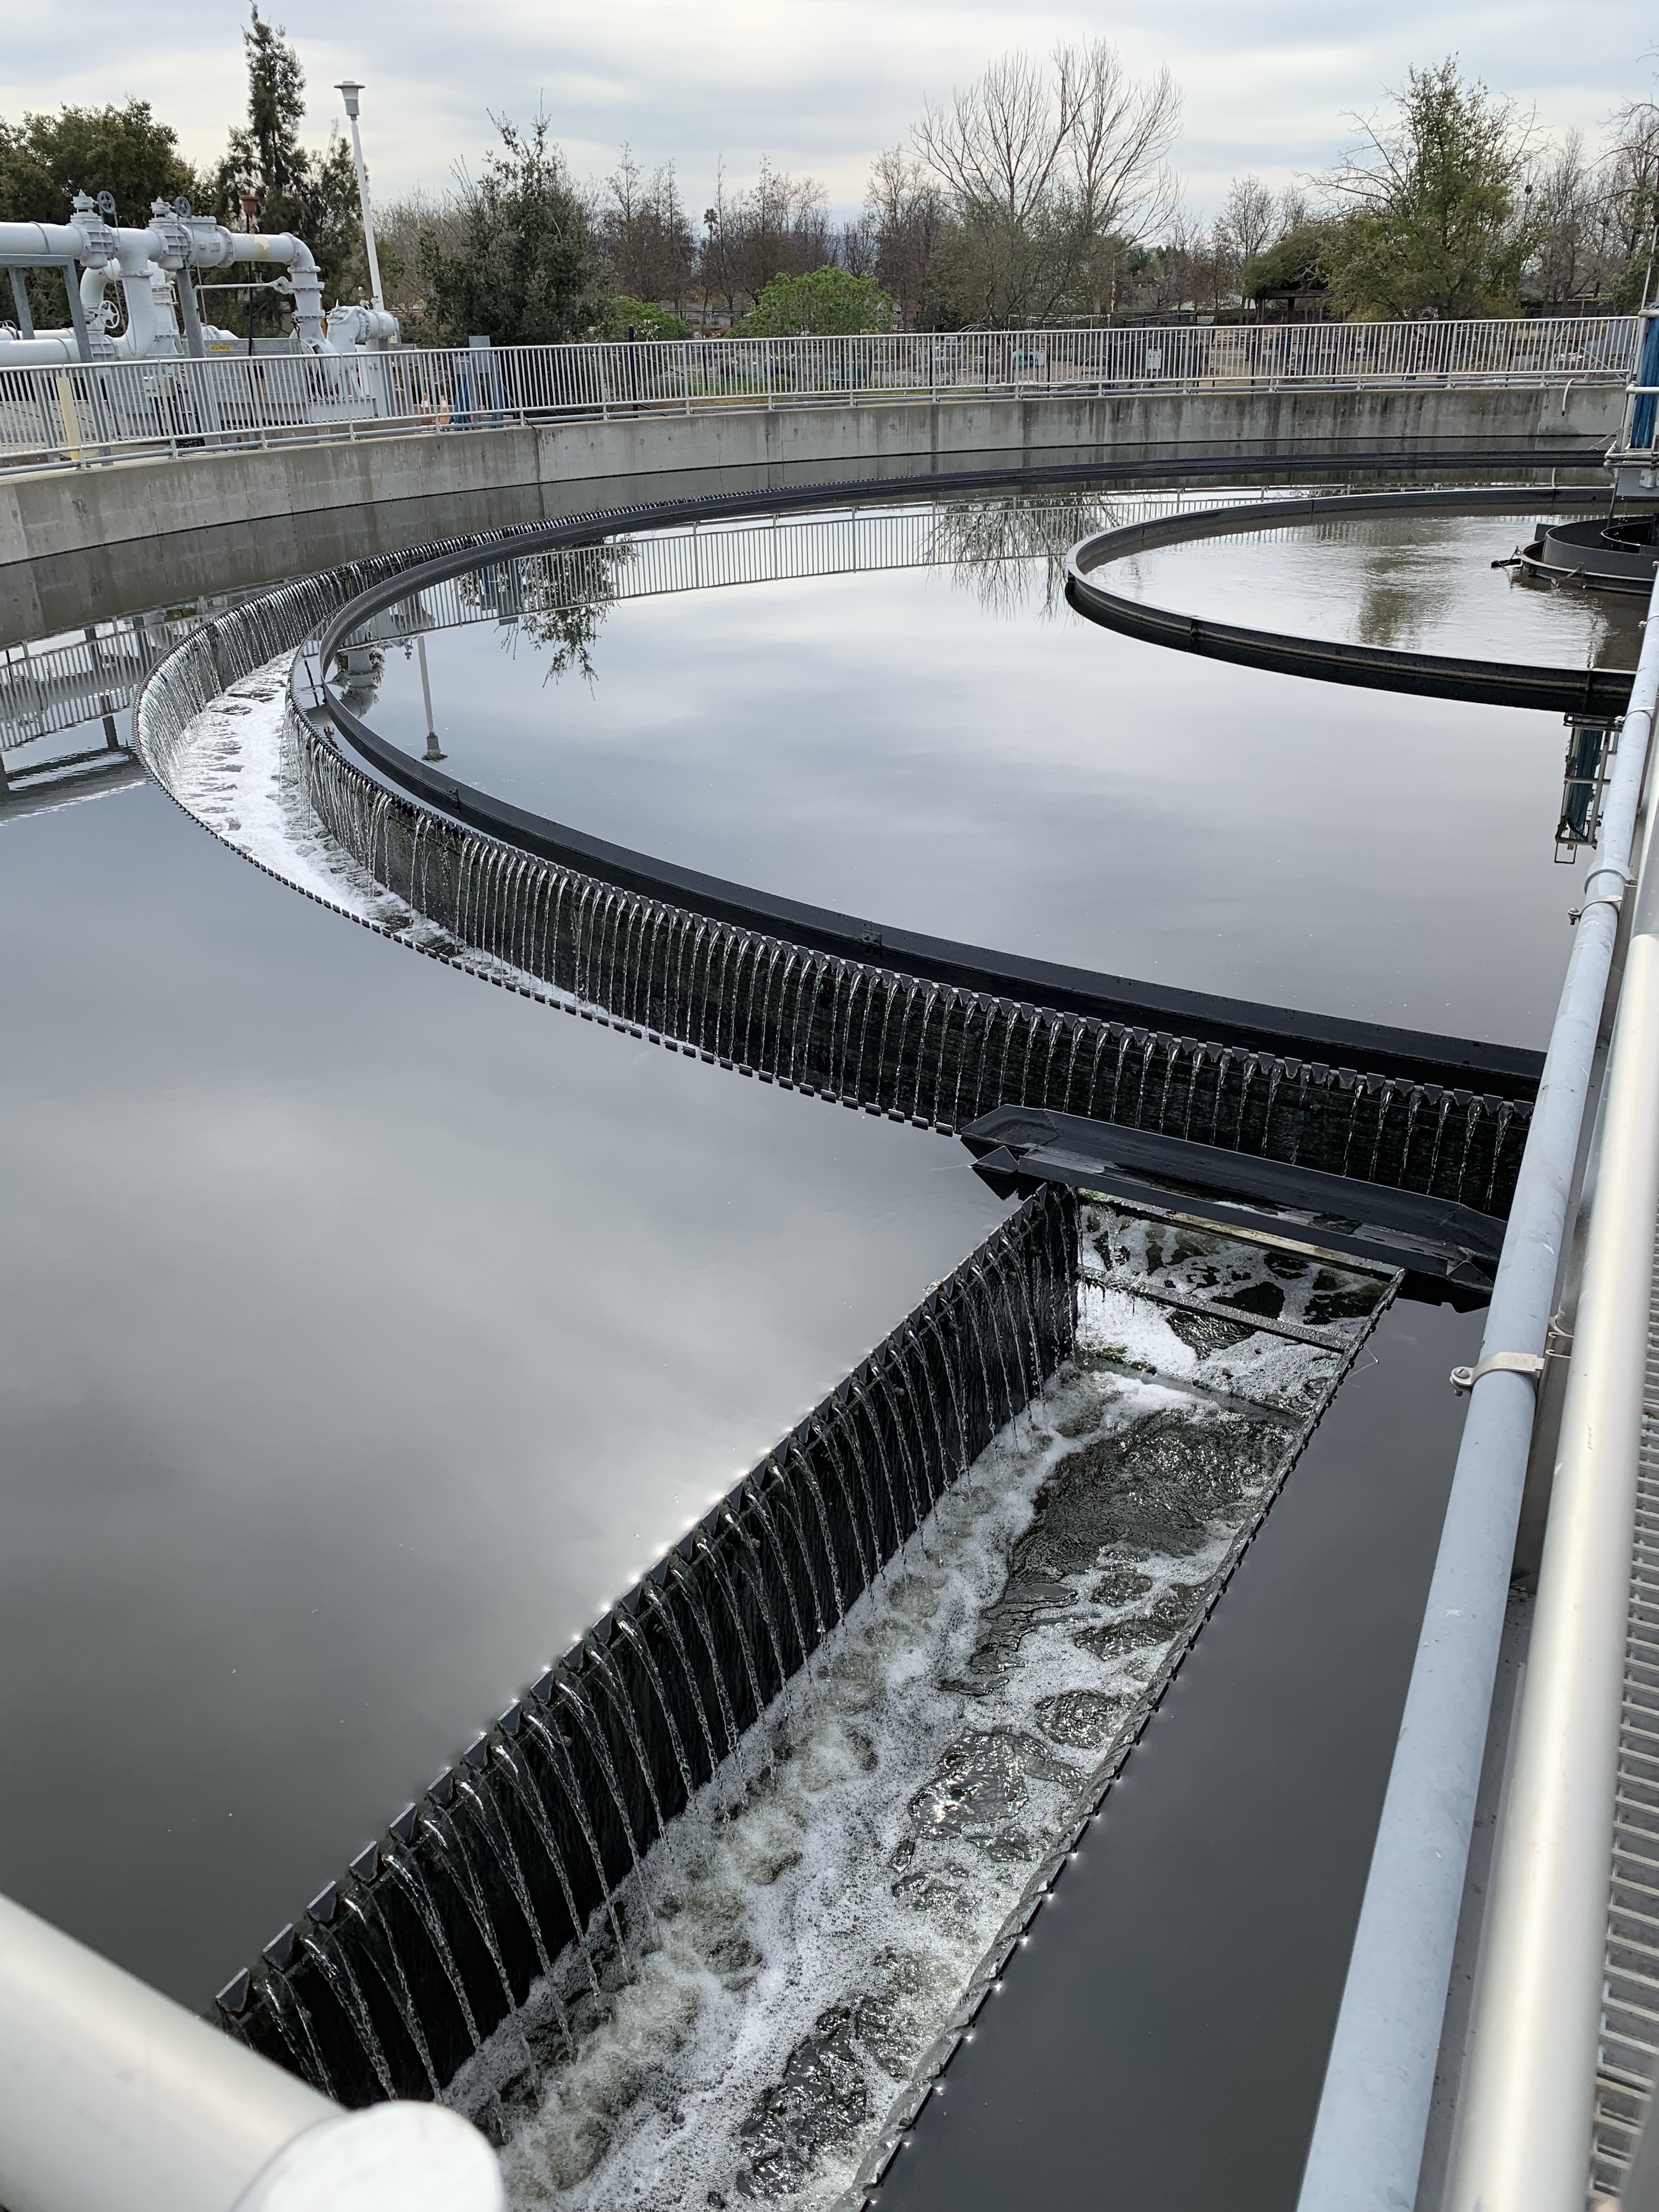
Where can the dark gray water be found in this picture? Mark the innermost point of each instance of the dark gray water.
(945, 747)
(367, 1329)
(363, 1331)
(1176, 1997)
(1412, 582)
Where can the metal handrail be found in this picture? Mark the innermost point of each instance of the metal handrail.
(1369, 2135)
(111, 2095)
(1524, 2142)
(85, 414)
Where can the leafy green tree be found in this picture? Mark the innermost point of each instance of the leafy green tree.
(312, 194)
(517, 263)
(1430, 205)
(47, 159)
(640, 319)
(124, 151)
(828, 303)
(1298, 263)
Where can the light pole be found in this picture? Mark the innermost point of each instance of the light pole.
(433, 752)
(350, 91)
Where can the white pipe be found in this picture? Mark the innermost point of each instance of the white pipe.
(92, 242)
(1525, 2118)
(1367, 2150)
(52, 241)
(293, 254)
(113, 2099)
(144, 338)
(45, 350)
(350, 327)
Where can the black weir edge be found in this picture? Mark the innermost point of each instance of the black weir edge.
(519, 1856)
(1241, 1023)
(843, 1008)
(859, 1031)
(516, 1870)
(1385, 668)
(1016, 1152)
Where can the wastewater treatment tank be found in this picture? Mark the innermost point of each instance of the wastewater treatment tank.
(527, 1250)
(1616, 552)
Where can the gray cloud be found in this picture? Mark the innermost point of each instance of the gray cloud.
(816, 85)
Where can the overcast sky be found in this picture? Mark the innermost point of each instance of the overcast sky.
(817, 85)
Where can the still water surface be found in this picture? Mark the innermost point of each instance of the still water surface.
(937, 743)
(363, 1331)
(1413, 582)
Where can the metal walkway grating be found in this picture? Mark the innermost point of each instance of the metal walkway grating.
(1630, 2009)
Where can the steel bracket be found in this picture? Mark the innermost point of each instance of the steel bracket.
(1530, 1364)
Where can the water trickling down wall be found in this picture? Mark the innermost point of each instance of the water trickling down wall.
(515, 1856)
(845, 1030)
(923, 1051)
(397, 1973)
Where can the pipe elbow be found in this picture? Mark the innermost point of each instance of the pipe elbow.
(94, 282)
(302, 262)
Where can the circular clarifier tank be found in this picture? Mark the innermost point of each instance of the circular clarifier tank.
(893, 712)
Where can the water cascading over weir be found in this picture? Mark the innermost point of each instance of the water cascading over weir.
(509, 1869)
(514, 1869)
(935, 1033)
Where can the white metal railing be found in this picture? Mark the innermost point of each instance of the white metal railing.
(1524, 2114)
(720, 556)
(58, 686)
(85, 413)
(1528, 2093)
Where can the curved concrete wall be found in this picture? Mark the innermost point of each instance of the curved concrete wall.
(76, 544)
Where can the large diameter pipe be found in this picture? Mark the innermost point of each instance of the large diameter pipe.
(113, 2099)
(47, 350)
(1367, 2148)
(1524, 2126)
(52, 241)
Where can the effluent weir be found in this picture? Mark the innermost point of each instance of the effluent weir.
(1052, 1109)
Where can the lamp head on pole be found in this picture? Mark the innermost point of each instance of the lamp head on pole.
(349, 91)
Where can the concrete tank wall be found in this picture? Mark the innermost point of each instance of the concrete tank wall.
(79, 544)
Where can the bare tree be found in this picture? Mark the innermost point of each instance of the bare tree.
(1628, 200)
(1567, 219)
(905, 210)
(778, 226)
(400, 227)
(642, 232)
(855, 248)
(1048, 175)
(1249, 218)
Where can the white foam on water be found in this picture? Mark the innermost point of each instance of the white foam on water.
(806, 1928)
(236, 771)
(811, 1932)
